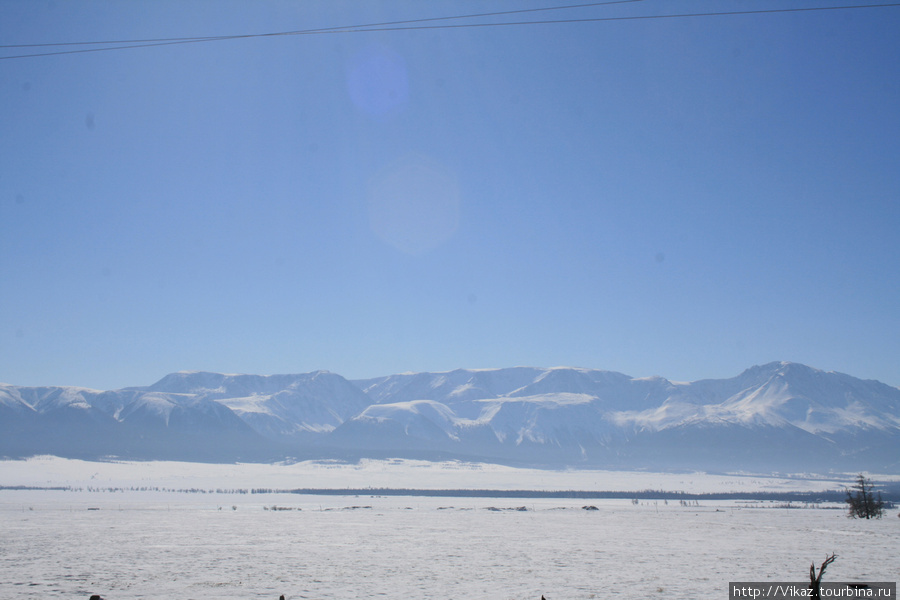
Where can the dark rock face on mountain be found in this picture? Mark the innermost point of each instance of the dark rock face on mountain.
(775, 417)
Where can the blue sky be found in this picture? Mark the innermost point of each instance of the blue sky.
(678, 197)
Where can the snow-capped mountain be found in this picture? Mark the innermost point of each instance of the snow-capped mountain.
(780, 413)
(779, 416)
(281, 407)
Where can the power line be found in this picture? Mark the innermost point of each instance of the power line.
(146, 43)
(325, 29)
(629, 18)
(410, 26)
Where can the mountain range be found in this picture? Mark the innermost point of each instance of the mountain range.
(776, 417)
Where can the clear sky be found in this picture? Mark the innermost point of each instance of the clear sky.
(681, 197)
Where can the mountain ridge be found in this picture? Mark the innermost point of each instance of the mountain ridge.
(777, 416)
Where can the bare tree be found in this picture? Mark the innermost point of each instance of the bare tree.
(862, 503)
(815, 581)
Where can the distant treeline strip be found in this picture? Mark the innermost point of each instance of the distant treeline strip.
(32, 487)
(811, 497)
(808, 497)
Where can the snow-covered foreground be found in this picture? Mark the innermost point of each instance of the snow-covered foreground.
(208, 546)
(151, 544)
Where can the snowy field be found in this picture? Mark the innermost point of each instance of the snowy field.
(133, 544)
(49, 471)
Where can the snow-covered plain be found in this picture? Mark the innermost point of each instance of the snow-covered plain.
(49, 471)
(151, 544)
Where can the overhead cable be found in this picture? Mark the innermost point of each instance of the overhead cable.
(411, 25)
